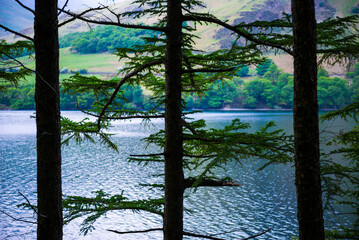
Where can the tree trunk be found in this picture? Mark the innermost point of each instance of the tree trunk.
(306, 133)
(174, 179)
(48, 121)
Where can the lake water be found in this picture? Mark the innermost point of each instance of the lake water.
(266, 199)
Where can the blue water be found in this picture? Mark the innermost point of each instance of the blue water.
(266, 199)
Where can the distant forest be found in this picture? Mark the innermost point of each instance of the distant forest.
(103, 39)
(271, 88)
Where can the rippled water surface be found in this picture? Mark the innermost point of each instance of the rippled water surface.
(266, 199)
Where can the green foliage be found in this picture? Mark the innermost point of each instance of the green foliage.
(206, 149)
(263, 68)
(11, 70)
(243, 72)
(355, 72)
(95, 207)
(332, 92)
(103, 38)
(85, 131)
(340, 179)
(322, 73)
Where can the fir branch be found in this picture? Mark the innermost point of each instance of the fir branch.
(207, 182)
(125, 78)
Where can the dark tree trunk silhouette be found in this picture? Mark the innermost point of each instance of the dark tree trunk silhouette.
(306, 133)
(48, 121)
(174, 179)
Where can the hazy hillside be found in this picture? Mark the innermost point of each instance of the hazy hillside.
(211, 37)
(233, 10)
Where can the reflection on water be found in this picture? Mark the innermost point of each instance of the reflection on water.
(266, 199)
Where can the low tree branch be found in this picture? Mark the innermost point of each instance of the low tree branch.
(161, 229)
(257, 235)
(206, 182)
(184, 233)
(138, 231)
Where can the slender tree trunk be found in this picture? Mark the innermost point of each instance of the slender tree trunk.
(48, 121)
(306, 133)
(174, 179)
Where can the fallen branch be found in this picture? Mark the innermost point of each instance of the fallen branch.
(188, 183)
(185, 233)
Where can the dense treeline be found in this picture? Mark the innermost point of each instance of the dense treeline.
(103, 38)
(271, 88)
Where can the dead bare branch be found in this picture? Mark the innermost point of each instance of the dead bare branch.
(16, 33)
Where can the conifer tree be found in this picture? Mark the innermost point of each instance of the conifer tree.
(48, 129)
(306, 125)
(49, 204)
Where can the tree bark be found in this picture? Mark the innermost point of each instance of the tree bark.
(48, 121)
(306, 133)
(174, 179)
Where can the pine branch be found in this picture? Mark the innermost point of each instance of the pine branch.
(207, 182)
(125, 78)
(29, 69)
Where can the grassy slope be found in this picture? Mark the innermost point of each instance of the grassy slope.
(101, 62)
